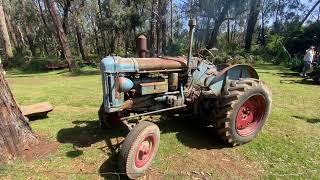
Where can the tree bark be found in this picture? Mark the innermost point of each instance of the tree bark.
(103, 35)
(162, 12)
(171, 20)
(153, 26)
(276, 25)
(15, 132)
(214, 34)
(96, 37)
(28, 30)
(66, 8)
(309, 13)
(159, 39)
(80, 43)
(62, 36)
(42, 16)
(5, 35)
(10, 29)
(252, 21)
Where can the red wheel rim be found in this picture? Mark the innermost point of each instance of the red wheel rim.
(250, 115)
(145, 151)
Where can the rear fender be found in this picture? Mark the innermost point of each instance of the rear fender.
(233, 72)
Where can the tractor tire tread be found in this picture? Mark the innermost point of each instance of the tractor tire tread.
(230, 95)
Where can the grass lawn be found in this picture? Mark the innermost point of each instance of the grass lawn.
(288, 147)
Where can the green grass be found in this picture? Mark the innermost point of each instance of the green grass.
(287, 148)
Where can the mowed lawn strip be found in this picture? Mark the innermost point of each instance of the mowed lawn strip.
(287, 147)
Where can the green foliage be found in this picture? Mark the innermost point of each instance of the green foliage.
(298, 41)
(236, 57)
(177, 47)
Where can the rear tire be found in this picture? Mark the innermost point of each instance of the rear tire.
(139, 149)
(244, 107)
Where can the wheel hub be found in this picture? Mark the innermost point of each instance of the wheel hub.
(145, 151)
(250, 114)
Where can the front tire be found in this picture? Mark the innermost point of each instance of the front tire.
(244, 107)
(139, 149)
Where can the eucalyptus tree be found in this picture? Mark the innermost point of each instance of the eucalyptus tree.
(15, 133)
(255, 7)
(61, 34)
(5, 34)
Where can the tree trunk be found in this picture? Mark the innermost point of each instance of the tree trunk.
(276, 25)
(10, 29)
(28, 30)
(5, 34)
(96, 37)
(171, 20)
(66, 8)
(103, 35)
(20, 38)
(62, 36)
(153, 26)
(309, 13)
(162, 12)
(15, 132)
(80, 43)
(159, 39)
(214, 34)
(228, 29)
(252, 21)
(42, 16)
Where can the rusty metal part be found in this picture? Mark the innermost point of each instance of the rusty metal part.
(152, 112)
(162, 71)
(192, 24)
(173, 81)
(166, 63)
(142, 46)
(252, 71)
(138, 102)
(128, 104)
(153, 88)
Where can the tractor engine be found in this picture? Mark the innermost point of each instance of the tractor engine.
(143, 84)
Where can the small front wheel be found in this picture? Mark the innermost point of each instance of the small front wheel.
(139, 149)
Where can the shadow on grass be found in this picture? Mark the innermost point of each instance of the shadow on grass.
(305, 81)
(37, 117)
(309, 120)
(188, 131)
(87, 133)
(192, 132)
(85, 71)
(288, 74)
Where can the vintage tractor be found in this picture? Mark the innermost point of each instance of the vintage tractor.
(231, 98)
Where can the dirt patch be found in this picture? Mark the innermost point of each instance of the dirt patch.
(43, 149)
(152, 174)
(225, 165)
(211, 164)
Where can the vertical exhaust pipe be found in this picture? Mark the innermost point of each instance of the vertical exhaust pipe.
(142, 46)
(192, 25)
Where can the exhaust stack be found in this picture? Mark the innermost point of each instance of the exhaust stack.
(192, 25)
